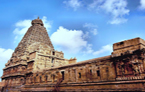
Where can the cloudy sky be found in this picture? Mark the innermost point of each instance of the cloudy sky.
(84, 29)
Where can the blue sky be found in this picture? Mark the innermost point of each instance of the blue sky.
(84, 29)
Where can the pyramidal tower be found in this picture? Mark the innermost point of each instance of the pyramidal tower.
(37, 33)
(34, 53)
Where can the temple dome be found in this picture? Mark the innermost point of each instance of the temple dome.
(36, 33)
(37, 21)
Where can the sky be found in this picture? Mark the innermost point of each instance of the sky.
(84, 29)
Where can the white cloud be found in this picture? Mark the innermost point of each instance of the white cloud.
(75, 4)
(4, 57)
(70, 40)
(22, 27)
(86, 35)
(47, 23)
(89, 49)
(92, 28)
(89, 25)
(115, 8)
(118, 20)
(106, 48)
(142, 4)
(5, 54)
(94, 31)
(103, 50)
(73, 41)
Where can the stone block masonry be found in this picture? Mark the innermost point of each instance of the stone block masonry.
(35, 66)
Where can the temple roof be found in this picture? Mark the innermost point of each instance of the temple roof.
(37, 21)
(37, 33)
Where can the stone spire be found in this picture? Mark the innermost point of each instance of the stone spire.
(34, 53)
(36, 33)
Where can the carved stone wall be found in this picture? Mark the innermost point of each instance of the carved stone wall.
(34, 53)
(106, 74)
(36, 66)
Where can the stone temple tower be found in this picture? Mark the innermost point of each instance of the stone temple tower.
(34, 53)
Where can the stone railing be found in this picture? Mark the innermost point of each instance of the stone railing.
(131, 78)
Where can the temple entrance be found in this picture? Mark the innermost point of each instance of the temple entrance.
(62, 73)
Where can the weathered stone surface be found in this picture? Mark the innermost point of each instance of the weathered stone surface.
(128, 46)
(35, 67)
(34, 53)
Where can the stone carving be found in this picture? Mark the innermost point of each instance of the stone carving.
(137, 66)
(130, 66)
(121, 67)
(35, 64)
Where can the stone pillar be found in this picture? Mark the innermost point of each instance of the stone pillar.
(143, 64)
(103, 72)
(73, 75)
(66, 76)
(111, 71)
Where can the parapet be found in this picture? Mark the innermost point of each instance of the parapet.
(128, 46)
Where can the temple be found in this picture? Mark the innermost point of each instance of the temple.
(35, 66)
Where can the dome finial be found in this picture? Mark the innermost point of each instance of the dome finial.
(37, 21)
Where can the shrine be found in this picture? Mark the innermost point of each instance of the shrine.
(35, 66)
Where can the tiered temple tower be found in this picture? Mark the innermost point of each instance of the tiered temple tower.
(34, 53)
(36, 67)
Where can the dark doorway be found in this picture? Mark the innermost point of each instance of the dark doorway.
(40, 79)
(90, 72)
(52, 60)
(62, 72)
(46, 78)
(98, 73)
(79, 75)
(53, 53)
